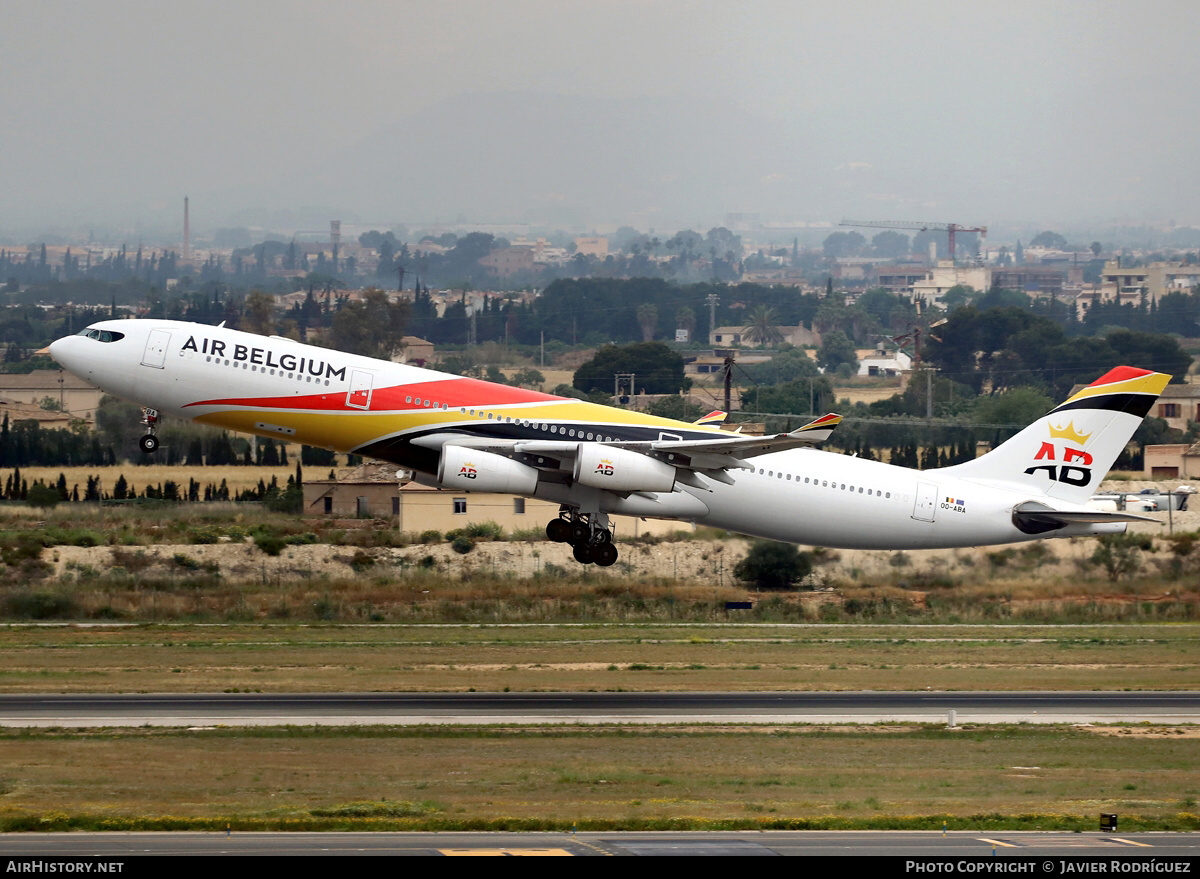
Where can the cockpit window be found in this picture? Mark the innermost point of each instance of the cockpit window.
(101, 335)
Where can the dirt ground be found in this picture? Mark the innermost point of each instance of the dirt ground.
(710, 561)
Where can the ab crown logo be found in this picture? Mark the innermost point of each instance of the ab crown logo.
(1075, 466)
(467, 471)
(605, 467)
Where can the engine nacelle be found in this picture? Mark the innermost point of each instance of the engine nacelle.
(603, 466)
(473, 470)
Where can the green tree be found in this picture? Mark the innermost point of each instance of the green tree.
(647, 318)
(260, 313)
(789, 364)
(1049, 240)
(1010, 412)
(43, 496)
(677, 407)
(891, 245)
(656, 368)
(836, 350)
(1118, 554)
(762, 326)
(372, 326)
(527, 378)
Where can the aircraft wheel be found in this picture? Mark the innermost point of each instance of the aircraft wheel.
(583, 554)
(148, 443)
(559, 530)
(603, 537)
(604, 554)
(580, 533)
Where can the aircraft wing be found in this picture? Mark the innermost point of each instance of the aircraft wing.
(708, 457)
(749, 446)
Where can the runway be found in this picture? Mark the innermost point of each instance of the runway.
(1101, 849)
(352, 709)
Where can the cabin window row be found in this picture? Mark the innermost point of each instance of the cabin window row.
(825, 483)
(542, 426)
(253, 368)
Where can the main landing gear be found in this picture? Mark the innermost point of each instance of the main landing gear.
(588, 534)
(149, 443)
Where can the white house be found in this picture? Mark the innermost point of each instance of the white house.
(881, 362)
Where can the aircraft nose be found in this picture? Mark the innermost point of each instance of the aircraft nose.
(65, 353)
(56, 349)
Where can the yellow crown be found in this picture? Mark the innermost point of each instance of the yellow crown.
(1069, 433)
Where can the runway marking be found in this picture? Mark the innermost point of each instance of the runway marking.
(1000, 842)
(505, 852)
(1129, 842)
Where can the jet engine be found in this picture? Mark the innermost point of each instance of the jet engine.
(602, 466)
(473, 470)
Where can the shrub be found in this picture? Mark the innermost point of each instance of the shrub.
(1119, 554)
(39, 605)
(485, 530)
(771, 565)
(462, 544)
(43, 496)
(269, 542)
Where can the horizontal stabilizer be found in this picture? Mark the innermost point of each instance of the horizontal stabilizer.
(1034, 517)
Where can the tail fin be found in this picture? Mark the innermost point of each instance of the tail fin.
(1066, 453)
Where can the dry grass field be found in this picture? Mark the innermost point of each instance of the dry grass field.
(903, 776)
(140, 475)
(280, 657)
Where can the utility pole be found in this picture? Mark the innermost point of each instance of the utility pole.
(712, 299)
(728, 381)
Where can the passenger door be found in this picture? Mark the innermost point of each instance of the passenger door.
(156, 349)
(926, 503)
(359, 395)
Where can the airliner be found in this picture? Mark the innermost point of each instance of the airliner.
(595, 461)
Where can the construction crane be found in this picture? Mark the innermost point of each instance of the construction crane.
(951, 229)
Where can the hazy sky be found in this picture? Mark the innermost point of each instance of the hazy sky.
(1055, 112)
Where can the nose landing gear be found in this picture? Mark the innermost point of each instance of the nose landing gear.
(589, 536)
(149, 442)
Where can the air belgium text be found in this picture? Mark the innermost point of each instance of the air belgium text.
(265, 357)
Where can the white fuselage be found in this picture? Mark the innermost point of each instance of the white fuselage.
(282, 389)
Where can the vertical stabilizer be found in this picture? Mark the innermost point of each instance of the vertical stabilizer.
(1066, 453)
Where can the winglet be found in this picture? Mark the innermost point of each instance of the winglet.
(714, 417)
(817, 431)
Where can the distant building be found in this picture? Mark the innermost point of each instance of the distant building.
(509, 261)
(373, 490)
(947, 275)
(77, 397)
(1156, 280)
(781, 276)
(592, 245)
(735, 337)
(899, 279)
(1178, 404)
(1172, 461)
(414, 350)
(881, 362)
(1037, 281)
(49, 418)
